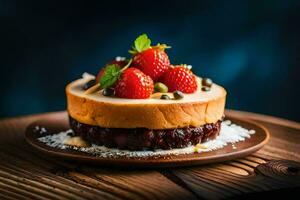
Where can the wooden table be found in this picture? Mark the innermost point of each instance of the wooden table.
(28, 174)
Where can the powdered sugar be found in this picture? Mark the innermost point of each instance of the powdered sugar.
(229, 134)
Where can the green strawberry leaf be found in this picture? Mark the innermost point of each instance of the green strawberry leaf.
(110, 77)
(142, 43)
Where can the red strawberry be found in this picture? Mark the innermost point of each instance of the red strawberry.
(180, 78)
(134, 84)
(153, 61)
(118, 62)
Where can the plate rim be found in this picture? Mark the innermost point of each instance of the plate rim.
(177, 160)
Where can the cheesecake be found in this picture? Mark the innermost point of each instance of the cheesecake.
(118, 122)
(136, 116)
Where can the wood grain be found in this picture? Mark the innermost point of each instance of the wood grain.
(27, 174)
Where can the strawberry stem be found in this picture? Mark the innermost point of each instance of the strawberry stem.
(161, 46)
(126, 66)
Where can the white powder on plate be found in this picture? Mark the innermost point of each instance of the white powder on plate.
(229, 134)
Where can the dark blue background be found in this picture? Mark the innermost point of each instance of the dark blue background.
(250, 47)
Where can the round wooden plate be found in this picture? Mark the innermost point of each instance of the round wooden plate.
(55, 125)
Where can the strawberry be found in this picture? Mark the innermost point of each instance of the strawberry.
(119, 62)
(152, 60)
(180, 78)
(134, 84)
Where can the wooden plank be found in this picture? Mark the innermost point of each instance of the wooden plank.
(124, 184)
(214, 182)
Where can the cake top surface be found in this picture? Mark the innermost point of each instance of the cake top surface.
(216, 91)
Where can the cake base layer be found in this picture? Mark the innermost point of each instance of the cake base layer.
(145, 139)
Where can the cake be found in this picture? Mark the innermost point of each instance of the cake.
(145, 103)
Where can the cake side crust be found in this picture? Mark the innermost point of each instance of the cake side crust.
(139, 115)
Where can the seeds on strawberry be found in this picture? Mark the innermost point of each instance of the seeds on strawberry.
(153, 62)
(180, 78)
(134, 84)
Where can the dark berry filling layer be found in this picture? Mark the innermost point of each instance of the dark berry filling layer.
(145, 139)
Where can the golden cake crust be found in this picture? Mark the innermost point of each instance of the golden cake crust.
(151, 113)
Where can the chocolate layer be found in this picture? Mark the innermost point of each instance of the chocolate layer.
(145, 139)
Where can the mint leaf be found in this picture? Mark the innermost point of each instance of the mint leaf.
(110, 77)
(111, 74)
(142, 43)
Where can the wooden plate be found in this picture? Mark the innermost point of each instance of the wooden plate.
(60, 123)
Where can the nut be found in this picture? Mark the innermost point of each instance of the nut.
(108, 92)
(207, 82)
(166, 97)
(205, 88)
(160, 87)
(178, 94)
(89, 84)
